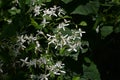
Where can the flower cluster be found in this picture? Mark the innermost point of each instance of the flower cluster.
(64, 37)
(49, 67)
(52, 27)
(48, 14)
(34, 62)
(61, 37)
(25, 39)
(53, 11)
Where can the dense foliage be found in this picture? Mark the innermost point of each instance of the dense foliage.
(59, 39)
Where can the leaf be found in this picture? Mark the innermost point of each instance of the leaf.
(99, 18)
(83, 23)
(62, 50)
(117, 29)
(66, 1)
(76, 78)
(28, 2)
(43, 1)
(91, 7)
(106, 30)
(48, 0)
(14, 11)
(80, 10)
(90, 72)
(87, 60)
(35, 24)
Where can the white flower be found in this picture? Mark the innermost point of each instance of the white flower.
(21, 46)
(62, 25)
(33, 2)
(37, 44)
(98, 29)
(60, 12)
(49, 12)
(37, 47)
(56, 72)
(33, 76)
(66, 21)
(62, 71)
(32, 63)
(44, 77)
(54, 11)
(37, 10)
(56, 69)
(1, 67)
(42, 60)
(64, 39)
(31, 39)
(21, 39)
(52, 39)
(54, 8)
(44, 22)
(24, 61)
(59, 64)
(40, 32)
(80, 32)
(1, 70)
(26, 37)
(72, 48)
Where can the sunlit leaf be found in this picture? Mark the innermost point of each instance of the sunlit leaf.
(83, 23)
(76, 78)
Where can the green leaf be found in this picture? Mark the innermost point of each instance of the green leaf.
(89, 8)
(83, 23)
(106, 30)
(117, 29)
(90, 72)
(43, 1)
(87, 60)
(14, 11)
(76, 78)
(35, 24)
(48, 0)
(62, 50)
(66, 1)
(80, 10)
(28, 2)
